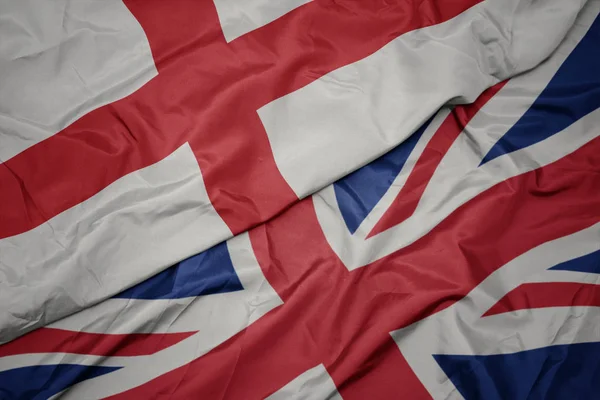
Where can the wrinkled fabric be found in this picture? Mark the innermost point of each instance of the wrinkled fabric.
(462, 264)
(71, 237)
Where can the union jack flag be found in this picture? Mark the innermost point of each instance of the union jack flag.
(461, 264)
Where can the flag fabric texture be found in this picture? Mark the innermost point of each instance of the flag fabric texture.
(299, 199)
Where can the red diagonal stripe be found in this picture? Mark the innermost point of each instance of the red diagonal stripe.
(543, 295)
(50, 340)
(405, 204)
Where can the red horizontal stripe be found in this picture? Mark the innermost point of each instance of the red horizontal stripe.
(50, 340)
(543, 295)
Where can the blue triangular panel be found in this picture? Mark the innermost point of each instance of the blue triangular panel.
(205, 273)
(589, 263)
(360, 191)
(44, 381)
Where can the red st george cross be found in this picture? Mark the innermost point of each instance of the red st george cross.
(206, 93)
